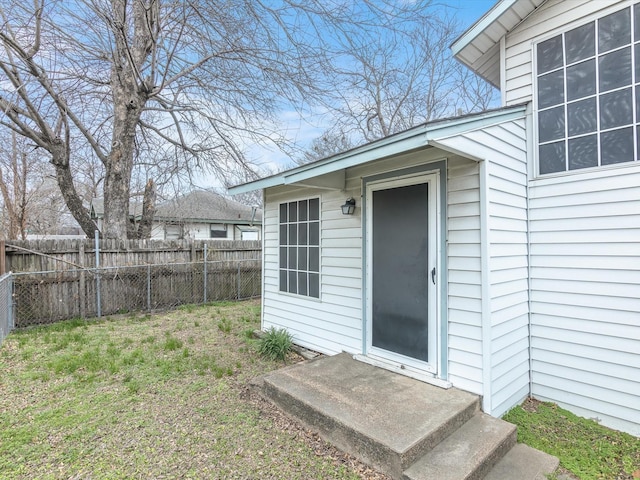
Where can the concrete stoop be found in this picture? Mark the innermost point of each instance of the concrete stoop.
(403, 427)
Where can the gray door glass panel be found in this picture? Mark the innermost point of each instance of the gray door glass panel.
(400, 270)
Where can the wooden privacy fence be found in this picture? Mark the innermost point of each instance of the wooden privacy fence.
(215, 271)
(47, 255)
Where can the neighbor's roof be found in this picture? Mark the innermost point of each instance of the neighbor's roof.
(206, 206)
(97, 208)
(422, 136)
(198, 206)
(479, 46)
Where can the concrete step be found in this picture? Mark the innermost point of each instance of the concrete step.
(467, 454)
(524, 463)
(386, 420)
(403, 427)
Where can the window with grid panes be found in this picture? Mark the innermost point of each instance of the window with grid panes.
(299, 247)
(588, 97)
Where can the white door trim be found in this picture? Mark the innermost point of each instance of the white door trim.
(396, 361)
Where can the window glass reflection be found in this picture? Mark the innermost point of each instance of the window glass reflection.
(583, 152)
(581, 117)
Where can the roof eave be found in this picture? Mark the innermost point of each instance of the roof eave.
(423, 136)
(480, 26)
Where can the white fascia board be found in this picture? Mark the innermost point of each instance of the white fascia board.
(481, 25)
(399, 143)
(474, 122)
(417, 137)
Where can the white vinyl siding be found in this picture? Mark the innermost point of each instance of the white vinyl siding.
(331, 323)
(464, 275)
(334, 322)
(584, 256)
(503, 148)
(585, 274)
(508, 260)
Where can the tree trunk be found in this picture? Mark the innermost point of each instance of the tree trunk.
(148, 210)
(60, 161)
(129, 98)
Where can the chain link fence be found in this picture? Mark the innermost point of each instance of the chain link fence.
(48, 297)
(6, 306)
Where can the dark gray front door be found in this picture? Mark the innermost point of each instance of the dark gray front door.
(400, 270)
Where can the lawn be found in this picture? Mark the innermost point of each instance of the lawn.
(167, 396)
(151, 396)
(586, 449)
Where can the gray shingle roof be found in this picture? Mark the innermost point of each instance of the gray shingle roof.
(197, 206)
(205, 206)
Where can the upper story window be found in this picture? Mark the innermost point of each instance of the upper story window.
(588, 94)
(299, 241)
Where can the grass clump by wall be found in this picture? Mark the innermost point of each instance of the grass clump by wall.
(275, 344)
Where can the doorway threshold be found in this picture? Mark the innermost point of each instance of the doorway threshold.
(405, 370)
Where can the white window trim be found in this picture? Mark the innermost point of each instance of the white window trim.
(278, 269)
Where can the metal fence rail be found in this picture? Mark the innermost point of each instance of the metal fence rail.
(48, 297)
(6, 306)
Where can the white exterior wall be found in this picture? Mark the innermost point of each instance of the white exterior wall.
(464, 275)
(489, 304)
(506, 181)
(334, 323)
(584, 245)
(585, 304)
(200, 231)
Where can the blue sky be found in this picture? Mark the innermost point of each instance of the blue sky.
(468, 11)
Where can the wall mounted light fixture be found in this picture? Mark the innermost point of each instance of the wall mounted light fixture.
(349, 206)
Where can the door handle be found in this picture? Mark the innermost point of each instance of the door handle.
(433, 275)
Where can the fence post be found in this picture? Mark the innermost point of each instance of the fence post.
(11, 303)
(238, 297)
(82, 292)
(149, 287)
(97, 243)
(205, 273)
(3, 264)
(194, 286)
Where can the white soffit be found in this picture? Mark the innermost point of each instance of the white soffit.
(479, 47)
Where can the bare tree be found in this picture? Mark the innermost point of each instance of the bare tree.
(329, 143)
(14, 169)
(129, 94)
(394, 79)
(30, 199)
(110, 77)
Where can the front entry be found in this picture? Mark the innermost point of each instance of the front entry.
(402, 272)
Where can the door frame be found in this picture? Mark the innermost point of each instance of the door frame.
(433, 368)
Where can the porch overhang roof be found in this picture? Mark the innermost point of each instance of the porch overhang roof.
(329, 173)
(479, 46)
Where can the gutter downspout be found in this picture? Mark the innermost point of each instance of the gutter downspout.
(485, 289)
(530, 174)
(262, 260)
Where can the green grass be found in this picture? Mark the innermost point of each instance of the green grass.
(584, 447)
(146, 397)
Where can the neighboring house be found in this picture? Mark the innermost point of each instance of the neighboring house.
(196, 215)
(497, 252)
